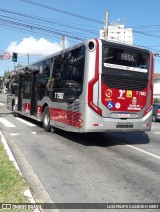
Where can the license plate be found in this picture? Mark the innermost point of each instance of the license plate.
(124, 126)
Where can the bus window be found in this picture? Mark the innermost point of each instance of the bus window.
(43, 69)
(68, 72)
(27, 84)
(132, 60)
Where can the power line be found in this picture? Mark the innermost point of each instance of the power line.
(50, 21)
(144, 33)
(43, 29)
(64, 25)
(61, 11)
(146, 26)
(28, 21)
(26, 24)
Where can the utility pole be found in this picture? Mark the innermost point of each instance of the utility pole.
(63, 42)
(28, 58)
(106, 26)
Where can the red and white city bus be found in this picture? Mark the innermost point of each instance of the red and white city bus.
(95, 86)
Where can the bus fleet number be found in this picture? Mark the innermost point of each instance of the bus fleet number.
(59, 95)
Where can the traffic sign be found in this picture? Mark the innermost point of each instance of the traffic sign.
(6, 55)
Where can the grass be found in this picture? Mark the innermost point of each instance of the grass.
(12, 185)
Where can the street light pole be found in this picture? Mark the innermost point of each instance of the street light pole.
(106, 26)
(28, 58)
(63, 42)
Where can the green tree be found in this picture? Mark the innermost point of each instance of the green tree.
(156, 100)
(6, 74)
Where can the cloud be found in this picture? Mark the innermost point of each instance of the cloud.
(34, 47)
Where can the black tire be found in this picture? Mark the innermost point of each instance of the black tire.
(46, 119)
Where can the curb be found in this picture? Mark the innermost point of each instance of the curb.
(27, 192)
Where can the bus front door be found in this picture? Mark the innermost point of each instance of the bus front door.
(20, 92)
(34, 94)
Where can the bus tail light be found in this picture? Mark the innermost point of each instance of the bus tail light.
(146, 125)
(80, 121)
(158, 111)
(98, 125)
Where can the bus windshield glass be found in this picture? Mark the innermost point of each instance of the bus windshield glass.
(125, 59)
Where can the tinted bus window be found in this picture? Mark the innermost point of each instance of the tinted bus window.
(43, 69)
(27, 84)
(119, 58)
(69, 66)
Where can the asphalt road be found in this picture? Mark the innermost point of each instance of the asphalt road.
(89, 168)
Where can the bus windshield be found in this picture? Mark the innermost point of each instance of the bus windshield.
(125, 59)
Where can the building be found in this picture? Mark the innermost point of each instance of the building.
(156, 86)
(118, 32)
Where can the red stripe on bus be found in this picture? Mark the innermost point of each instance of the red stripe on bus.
(93, 81)
(68, 117)
(71, 118)
(151, 68)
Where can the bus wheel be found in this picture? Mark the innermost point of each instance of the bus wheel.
(46, 119)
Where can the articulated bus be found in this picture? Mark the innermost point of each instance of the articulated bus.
(95, 86)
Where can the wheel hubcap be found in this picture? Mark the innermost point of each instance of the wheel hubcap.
(46, 120)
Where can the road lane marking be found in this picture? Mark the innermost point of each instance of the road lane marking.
(7, 148)
(15, 134)
(141, 150)
(1, 104)
(6, 123)
(158, 133)
(26, 122)
(4, 97)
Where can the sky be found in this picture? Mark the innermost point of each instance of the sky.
(35, 27)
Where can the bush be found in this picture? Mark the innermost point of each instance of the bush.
(156, 100)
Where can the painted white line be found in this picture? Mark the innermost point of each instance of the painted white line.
(10, 155)
(14, 134)
(26, 122)
(6, 122)
(141, 150)
(1, 104)
(3, 96)
(34, 133)
(158, 133)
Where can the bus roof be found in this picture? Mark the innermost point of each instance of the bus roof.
(114, 43)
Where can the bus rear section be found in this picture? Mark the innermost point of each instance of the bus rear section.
(120, 89)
